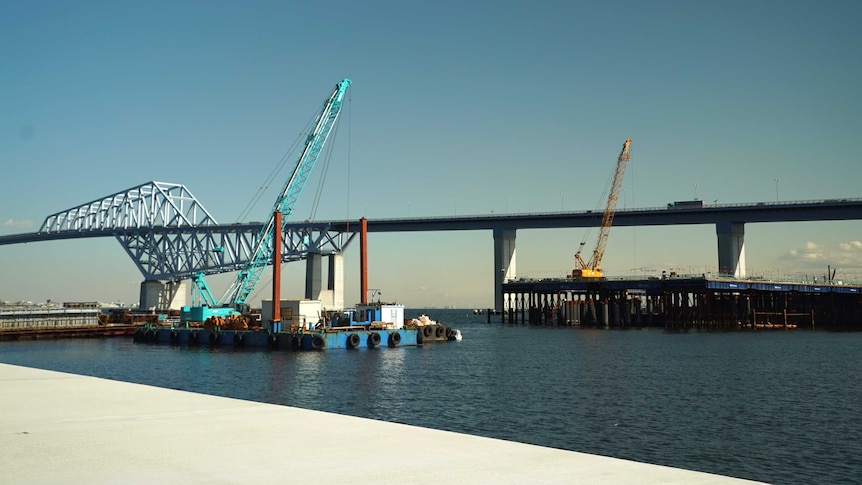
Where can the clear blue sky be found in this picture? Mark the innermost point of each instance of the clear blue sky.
(467, 107)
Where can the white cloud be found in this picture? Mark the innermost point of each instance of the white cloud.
(849, 246)
(846, 257)
(14, 223)
(808, 253)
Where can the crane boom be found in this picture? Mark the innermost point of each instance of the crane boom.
(593, 269)
(261, 255)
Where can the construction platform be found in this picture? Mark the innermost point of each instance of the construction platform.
(72, 319)
(108, 330)
(66, 428)
(683, 302)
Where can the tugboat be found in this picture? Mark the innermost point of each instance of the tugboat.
(368, 325)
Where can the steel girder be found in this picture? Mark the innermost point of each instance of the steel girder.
(173, 254)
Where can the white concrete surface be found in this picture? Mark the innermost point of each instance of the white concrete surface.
(71, 429)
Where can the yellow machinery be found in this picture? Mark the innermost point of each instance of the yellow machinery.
(593, 268)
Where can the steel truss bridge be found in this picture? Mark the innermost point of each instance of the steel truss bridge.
(170, 235)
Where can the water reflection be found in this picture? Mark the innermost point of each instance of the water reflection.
(645, 395)
(304, 382)
(392, 394)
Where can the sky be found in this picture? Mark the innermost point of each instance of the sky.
(456, 108)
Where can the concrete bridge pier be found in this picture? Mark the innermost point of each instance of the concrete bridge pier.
(731, 248)
(174, 294)
(332, 298)
(164, 295)
(504, 263)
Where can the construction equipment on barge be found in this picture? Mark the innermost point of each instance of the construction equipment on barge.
(233, 302)
(227, 321)
(367, 326)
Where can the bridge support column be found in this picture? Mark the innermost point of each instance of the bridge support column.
(170, 295)
(313, 278)
(332, 298)
(731, 248)
(504, 263)
(334, 294)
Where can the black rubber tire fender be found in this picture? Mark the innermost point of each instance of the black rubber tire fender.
(318, 342)
(394, 339)
(353, 341)
(373, 339)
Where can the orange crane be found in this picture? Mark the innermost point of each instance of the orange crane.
(593, 268)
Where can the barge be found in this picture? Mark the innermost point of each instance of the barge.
(72, 319)
(368, 326)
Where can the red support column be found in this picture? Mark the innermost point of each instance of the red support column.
(276, 268)
(363, 260)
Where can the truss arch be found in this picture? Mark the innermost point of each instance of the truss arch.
(152, 204)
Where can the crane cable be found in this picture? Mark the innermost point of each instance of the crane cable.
(276, 170)
(280, 166)
(349, 145)
(325, 168)
(327, 157)
(602, 201)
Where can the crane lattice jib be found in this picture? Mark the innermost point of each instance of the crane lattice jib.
(608, 217)
(286, 201)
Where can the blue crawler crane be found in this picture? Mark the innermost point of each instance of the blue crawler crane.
(233, 301)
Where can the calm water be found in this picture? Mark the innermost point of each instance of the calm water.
(774, 406)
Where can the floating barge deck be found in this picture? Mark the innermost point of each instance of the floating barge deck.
(371, 326)
(70, 320)
(683, 302)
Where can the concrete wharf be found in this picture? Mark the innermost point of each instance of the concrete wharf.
(66, 428)
(682, 302)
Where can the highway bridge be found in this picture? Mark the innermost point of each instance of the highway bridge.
(170, 235)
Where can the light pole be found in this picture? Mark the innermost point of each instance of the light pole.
(776, 189)
(563, 201)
